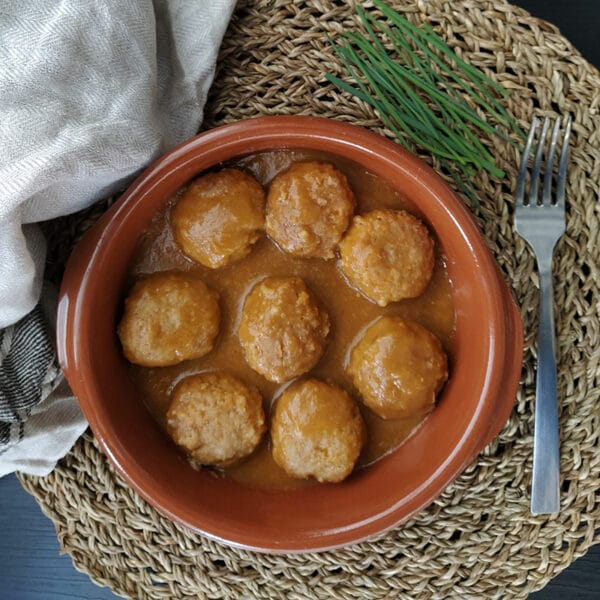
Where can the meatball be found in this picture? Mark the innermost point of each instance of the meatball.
(219, 217)
(215, 418)
(168, 318)
(398, 367)
(317, 431)
(309, 207)
(283, 328)
(387, 255)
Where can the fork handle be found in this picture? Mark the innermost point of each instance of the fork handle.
(546, 460)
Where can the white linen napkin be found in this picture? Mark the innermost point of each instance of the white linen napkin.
(90, 93)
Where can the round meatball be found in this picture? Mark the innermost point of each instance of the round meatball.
(283, 329)
(398, 367)
(309, 207)
(387, 255)
(219, 217)
(215, 418)
(168, 318)
(317, 431)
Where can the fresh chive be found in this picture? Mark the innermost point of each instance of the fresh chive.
(425, 94)
(427, 34)
(398, 87)
(475, 76)
(438, 126)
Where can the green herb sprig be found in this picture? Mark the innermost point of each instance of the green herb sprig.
(425, 94)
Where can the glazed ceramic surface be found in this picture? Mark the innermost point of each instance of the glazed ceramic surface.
(475, 404)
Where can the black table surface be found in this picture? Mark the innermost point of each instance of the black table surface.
(31, 567)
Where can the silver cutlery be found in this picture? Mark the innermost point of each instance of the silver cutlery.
(540, 221)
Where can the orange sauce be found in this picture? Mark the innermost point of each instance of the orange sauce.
(350, 312)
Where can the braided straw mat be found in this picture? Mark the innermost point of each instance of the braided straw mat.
(478, 539)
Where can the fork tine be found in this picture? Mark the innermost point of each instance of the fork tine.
(537, 164)
(520, 189)
(562, 164)
(549, 166)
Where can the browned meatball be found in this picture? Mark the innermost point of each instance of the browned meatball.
(398, 367)
(283, 328)
(308, 209)
(169, 317)
(219, 217)
(387, 255)
(317, 431)
(215, 418)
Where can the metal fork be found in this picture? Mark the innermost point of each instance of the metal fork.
(540, 221)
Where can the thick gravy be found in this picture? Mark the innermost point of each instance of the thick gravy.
(350, 312)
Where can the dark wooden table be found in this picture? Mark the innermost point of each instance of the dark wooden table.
(31, 567)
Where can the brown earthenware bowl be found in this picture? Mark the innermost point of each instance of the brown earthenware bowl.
(476, 402)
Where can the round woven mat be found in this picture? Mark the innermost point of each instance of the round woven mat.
(478, 540)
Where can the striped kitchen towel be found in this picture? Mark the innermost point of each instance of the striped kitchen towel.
(90, 93)
(39, 419)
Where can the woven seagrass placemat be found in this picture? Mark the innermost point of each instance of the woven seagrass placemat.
(478, 540)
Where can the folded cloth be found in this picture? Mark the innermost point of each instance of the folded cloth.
(90, 93)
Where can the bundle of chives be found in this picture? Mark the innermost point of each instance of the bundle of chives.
(425, 94)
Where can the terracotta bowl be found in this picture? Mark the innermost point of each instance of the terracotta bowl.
(473, 408)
